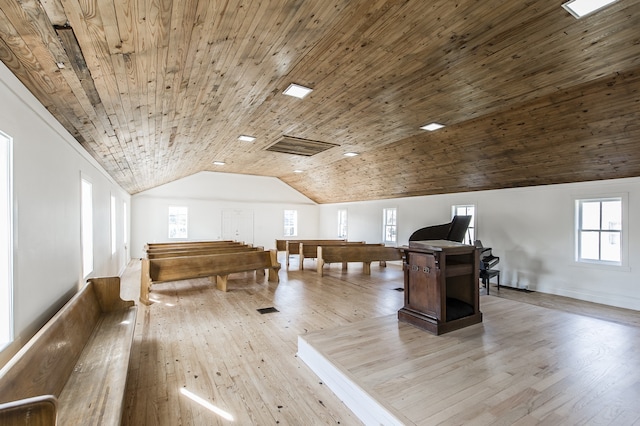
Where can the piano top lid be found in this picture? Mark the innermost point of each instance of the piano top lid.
(438, 245)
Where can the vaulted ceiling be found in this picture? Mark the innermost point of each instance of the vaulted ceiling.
(157, 90)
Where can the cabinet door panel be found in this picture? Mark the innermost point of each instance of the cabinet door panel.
(424, 285)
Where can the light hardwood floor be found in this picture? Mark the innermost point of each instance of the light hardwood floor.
(217, 346)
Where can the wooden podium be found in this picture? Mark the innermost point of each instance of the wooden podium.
(441, 290)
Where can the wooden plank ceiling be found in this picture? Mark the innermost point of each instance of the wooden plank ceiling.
(157, 90)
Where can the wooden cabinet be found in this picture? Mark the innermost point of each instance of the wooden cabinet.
(441, 291)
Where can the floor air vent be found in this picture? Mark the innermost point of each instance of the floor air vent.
(268, 310)
(298, 146)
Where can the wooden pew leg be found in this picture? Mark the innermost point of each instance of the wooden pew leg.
(366, 268)
(145, 282)
(260, 272)
(221, 282)
(344, 265)
(383, 263)
(320, 267)
(275, 267)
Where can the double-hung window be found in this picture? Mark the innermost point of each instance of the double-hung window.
(6, 243)
(342, 223)
(178, 221)
(86, 214)
(599, 230)
(390, 226)
(290, 223)
(467, 210)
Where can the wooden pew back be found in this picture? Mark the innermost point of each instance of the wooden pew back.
(43, 365)
(158, 248)
(201, 252)
(80, 358)
(365, 253)
(178, 268)
(219, 265)
(310, 249)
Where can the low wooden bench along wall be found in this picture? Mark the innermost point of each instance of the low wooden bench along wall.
(73, 371)
(218, 265)
(365, 253)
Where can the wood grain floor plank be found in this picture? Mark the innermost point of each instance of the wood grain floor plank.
(528, 363)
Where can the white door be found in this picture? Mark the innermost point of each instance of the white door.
(237, 225)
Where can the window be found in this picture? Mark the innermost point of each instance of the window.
(113, 225)
(599, 230)
(342, 223)
(390, 230)
(290, 223)
(178, 222)
(467, 210)
(6, 242)
(86, 214)
(124, 224)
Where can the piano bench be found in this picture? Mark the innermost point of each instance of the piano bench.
(487, 274)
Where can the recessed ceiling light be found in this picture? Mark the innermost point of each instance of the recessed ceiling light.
(580, 8)
(297, 91)
(218, 163)
(297, 171)
(432, 126)
(60, 65)
(350, 154)
(245, 138)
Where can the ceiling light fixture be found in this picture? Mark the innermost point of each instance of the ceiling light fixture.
(350, 154)
(245, 138)
(432, 126)
(297, 91)
(582, 8)
(297, 171)
(218, 163)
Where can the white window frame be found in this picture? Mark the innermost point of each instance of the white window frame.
(290, 223)
(386, 226)
(125, 235)
(6, 249)
(181, 213)
(86, 225)
(114, 237)
(471, 235)
(342, 223)
(578, 201)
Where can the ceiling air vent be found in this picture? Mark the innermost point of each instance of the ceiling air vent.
(298, 146)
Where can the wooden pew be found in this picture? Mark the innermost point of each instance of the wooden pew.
(201, 251)
(365, 253)
(210, 265)
(309, 249)
(74, 369)
(186, 245)
(292, 247)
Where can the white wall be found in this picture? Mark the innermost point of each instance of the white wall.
(530, 229)
(207, 194)
(47, 165)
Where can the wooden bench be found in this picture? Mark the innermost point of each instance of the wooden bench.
(292, 247)
(210, 265)
(188, 243)
(365, 253)
(201, 251)
(74, 369)
(164, 247)
(309, 250)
